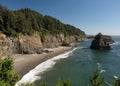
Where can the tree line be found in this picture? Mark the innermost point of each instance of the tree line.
(26, 22)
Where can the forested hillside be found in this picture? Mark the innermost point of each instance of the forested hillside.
(27, 31)
(26, 22)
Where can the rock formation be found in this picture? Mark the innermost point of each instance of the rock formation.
(101, 42)
(32, 44)
(26, 31)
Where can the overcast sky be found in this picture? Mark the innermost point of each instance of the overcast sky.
(91, 16)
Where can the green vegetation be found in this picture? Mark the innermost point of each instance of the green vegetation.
(59, 83)
(99, 36)
(7, 76)
(26, 22)
(117, 83)
(32, 84)
(96, 80)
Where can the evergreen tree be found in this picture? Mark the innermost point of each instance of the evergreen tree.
(7, 75)
(27, 22)
(96, 80)
(117, 82)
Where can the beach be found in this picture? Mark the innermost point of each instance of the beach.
(24, 63)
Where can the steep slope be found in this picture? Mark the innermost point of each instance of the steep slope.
(27, 31)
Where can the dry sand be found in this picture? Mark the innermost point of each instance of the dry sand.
(24, 63)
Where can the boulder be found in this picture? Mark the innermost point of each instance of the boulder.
(101, 42)
(65, 44)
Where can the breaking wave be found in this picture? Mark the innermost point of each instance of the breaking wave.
(41, 68)
(100, 68)
(115, 43)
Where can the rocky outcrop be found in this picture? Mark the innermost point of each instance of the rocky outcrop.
(30, 44)
(21, 45)
(65, 44)
(51, 41)
(101, 42)
(33, 44)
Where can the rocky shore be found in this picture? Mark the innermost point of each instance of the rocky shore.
(101, 42)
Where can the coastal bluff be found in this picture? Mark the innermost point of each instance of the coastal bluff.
(26, 31)
(32, 44)
(101, 42)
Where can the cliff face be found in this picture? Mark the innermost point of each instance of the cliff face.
(19, 27)
(32, 44)
(101, 42)
(21, 45)
(55, 41)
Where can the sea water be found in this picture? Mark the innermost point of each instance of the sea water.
(78, 65)
(35, 74)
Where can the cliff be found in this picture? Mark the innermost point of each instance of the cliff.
(101, 42)
(26, 31)
(32, 44)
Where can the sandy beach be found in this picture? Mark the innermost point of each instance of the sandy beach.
(24, 63)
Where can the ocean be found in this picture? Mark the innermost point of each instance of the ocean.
(78, 65)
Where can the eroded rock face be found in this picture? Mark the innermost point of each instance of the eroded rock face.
(101, 42)
(21, 45)
(32, 44)
(55, 41)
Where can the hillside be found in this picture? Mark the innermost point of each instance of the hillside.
(26, 21)
(27, 31)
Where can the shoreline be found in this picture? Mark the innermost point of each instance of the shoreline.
(24, 63)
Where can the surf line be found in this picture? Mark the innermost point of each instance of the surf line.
(32, 76)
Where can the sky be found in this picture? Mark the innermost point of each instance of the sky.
(91, 16)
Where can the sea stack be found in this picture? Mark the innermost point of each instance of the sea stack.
(101, 42)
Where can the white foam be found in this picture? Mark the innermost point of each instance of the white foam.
(115, 77)
(115, 43)
(100, 68)
(102, 71)
(41, 68)
(99, 65)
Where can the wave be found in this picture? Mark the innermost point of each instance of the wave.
(100, 68)
(116, 77)
(116, 43)
(41, 68)
(99, 65)
(102, 71)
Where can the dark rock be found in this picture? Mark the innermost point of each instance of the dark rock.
(46, 51)
(65, 44)
(101, 42)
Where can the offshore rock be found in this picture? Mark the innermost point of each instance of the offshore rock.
(101, 42)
